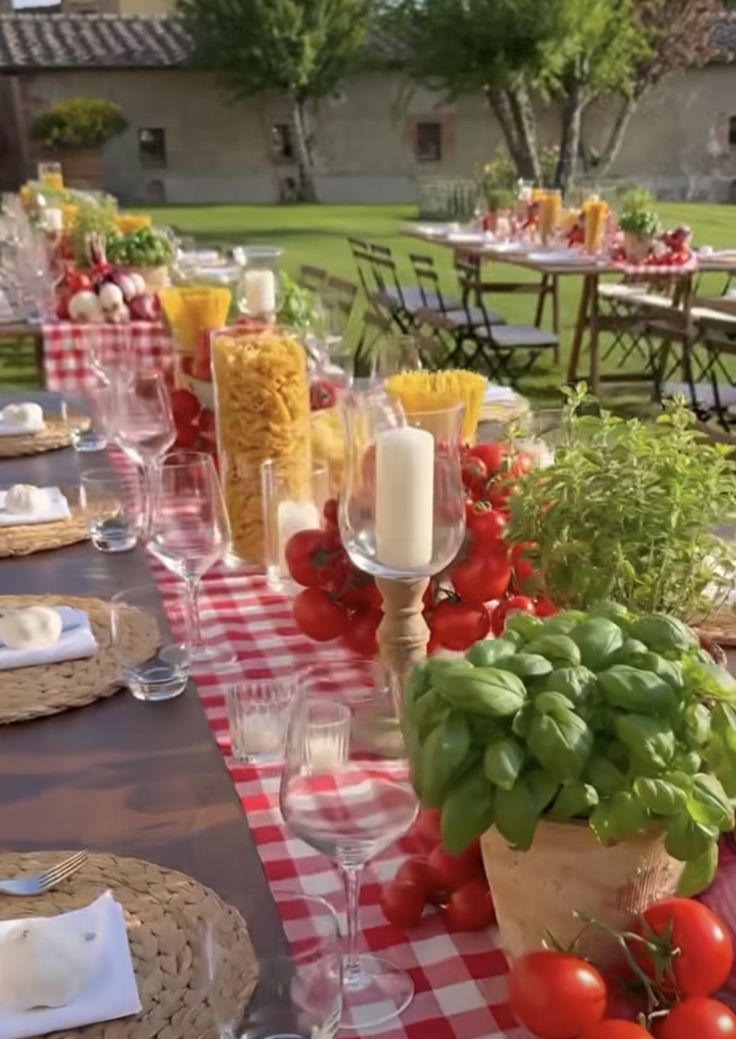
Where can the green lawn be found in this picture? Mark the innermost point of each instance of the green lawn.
(317, 235)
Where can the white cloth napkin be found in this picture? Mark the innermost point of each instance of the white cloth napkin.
(495, 394)
(14, 429)
(76, 641)
(110, 993)
(57, 509)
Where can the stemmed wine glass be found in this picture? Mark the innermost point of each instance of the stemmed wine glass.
(348, 804)
(144, 428)
(190, 532)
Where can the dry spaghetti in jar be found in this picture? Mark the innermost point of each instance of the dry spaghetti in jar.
(262, 412)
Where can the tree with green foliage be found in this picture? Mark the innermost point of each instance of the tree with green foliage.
(301, 47)
(565, 52)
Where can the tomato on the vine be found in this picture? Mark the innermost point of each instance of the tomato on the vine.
(448, 872)
(514, 604)
(302, 557)
(705, 955)
(402, 903)
(556, 995)
(485, 523)
(427, 826)
(616, 1028)
(474, 473)
(362, 632)
(457, 625)
(525, 573)
(318, 616)
(481, 578)
(544, 607)
(470, 907)
(78, 281)
(521, 465)
(330, 511)
(492, 455)
(521, 550)
(698, 1018)
(361, 592)
(416, 871)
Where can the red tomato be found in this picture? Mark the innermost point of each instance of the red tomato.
(78, 281)
(481, 578)
(186, 434)
(492, 456)
(332, 572)
(318, 616)
(402, 903)
(449, 872)
(524, 570)
(706, 953)
(206, 421)
(520, 550)
(330, 511)
(416, 871)
(521, 465)
(62, 305)
(332, 539)
(185, 406)
(427, 826)
(615, 1028)
(556, 995)
(362, 633)
(486, 523)
(470, 908)
(626, 997)
(457, 625)
(698, 1018)
(361, 592)
(302, 553)
(544, 607)
(474, 473)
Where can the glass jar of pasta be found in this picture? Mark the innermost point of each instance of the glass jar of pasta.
(262, 412)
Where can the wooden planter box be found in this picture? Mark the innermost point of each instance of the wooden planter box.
(82, 168)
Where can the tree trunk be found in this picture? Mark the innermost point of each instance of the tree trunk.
(572, 119)
(525, 124)
(306, 186)
(519, 136)
(603, 162)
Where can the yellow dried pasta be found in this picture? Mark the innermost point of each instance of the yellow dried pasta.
(262, 407)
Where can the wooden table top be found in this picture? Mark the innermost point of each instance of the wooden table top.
(122, 776)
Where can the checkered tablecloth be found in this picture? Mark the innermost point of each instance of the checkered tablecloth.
(67, 348)
(459, 979)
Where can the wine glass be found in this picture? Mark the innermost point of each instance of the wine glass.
(351, 806)
(190, 532)
(144, 428)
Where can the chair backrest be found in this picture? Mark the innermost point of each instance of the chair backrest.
(338, 297)
(311, 278)
(362, 255)
(428, 282)
(387, 282)
(374, 328)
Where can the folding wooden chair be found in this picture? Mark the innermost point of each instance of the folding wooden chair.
(311, 278)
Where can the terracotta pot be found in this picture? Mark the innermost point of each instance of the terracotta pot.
(535, 892)
(82, 167)
(636, 247)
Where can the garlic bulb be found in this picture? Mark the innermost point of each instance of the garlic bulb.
(25, 497)
(36, 627)
(44, 963)
(29, 414)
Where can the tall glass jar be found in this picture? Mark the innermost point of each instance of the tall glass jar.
(260, 288)
(262, 412)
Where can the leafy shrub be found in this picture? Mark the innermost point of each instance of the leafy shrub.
(80, 122)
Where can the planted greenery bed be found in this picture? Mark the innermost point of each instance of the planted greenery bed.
(606, 716)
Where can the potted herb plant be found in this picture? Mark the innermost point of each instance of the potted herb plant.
(147, 251)
(592, 752)
(74, 132)
(640, 228)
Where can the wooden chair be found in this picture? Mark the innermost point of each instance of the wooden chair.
(338, 296)
(311, 278)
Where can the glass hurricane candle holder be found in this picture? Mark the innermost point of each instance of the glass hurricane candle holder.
(402, 514)
(259, 293)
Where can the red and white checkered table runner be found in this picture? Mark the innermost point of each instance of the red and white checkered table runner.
(67, 348)
(459, 979)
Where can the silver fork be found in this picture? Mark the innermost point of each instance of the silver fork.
(40, 882)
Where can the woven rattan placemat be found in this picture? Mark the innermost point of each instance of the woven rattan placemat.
(24, 539)
(31, 692)
(54, 435)
(166, 913)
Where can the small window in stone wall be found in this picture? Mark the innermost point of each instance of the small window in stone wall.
(152, 146)
(732, 132)
(429, 142)
(281, 146)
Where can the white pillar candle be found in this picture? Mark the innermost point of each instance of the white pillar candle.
(404, 498)
(260, 291)
(291, 517)
(327, 752)
(53, 220)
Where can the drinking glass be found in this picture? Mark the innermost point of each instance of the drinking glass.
(90, 430)
(164, 673)
(112, 505)
(144, 428)
(396, 353)
(112, 354)
(284, 515)
(350, 806)
(190, 533)
(299, 989)
(258, 715)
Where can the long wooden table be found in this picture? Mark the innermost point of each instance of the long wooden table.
(122, 776)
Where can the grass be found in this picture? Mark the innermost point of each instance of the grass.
(318, 235)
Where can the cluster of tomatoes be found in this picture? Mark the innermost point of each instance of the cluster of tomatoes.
(676, 957)
(489, 569)
(194, 423)
(454, 884)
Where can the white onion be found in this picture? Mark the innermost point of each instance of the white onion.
(110, 296)
(84, 306)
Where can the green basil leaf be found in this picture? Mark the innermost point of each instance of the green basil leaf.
(613, 611)
(579, 684)
(564, 622)
(617, 817)
(604, 775)
(723, 721)
(708, 681)
(698, 873)
(503, 762)
(658, 796)
(598, 639)
(709, 802)
(522, 721)
(445, 755)
(467, 812)
(697, 721)
(517, 812)
(669, 670)
(419, 683)
(524, 624)
(687, 839)
(560, 650)
(485, 730)
(575, 799)
(636, 690)
(688, 761)
(630, 650)
(561, 741)
(542, 786)
(437, 666)
(663, 633)
(483, 690)
(549, 700)
(428, 712)
(650, 740)
(526, 665)
(489, 652)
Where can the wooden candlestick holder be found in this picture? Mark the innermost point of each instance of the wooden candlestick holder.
(402, 642)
